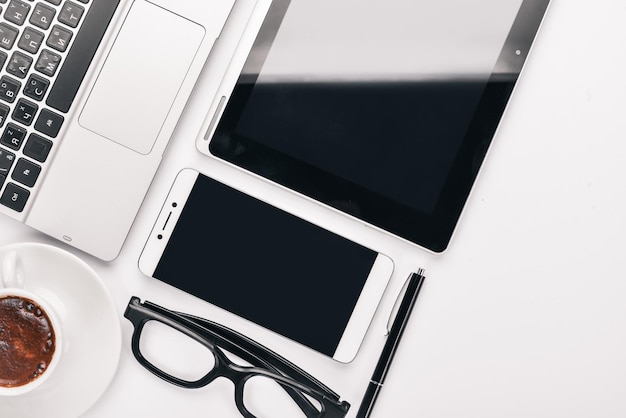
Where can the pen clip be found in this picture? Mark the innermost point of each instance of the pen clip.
(396, 305)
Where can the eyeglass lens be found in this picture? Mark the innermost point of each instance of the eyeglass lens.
(175, 353)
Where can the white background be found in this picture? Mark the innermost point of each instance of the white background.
(523, 316)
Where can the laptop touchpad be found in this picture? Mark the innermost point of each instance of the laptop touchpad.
(141, 77)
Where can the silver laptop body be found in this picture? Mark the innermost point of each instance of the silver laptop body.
(90, 93)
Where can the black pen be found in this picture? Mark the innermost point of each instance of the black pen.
(393, 339)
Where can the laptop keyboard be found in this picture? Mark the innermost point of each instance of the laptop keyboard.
(46, 48)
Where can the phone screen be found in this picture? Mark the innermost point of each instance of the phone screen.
(266, 265)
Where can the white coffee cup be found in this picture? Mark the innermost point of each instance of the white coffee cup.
(12, 280)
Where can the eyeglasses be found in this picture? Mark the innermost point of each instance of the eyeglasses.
(313, 398)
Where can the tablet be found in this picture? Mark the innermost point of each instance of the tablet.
(382, 110)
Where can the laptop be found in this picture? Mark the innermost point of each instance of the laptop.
(90, 94)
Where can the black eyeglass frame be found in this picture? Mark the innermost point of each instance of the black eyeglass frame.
(295, 381)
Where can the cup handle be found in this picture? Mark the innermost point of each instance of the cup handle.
(12, 270)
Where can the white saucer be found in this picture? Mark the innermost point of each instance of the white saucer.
(91, 331)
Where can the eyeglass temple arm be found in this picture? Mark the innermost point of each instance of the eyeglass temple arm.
(252, 355)
(332, 400)
(232, 336)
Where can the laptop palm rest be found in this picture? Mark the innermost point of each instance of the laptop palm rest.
(141, 77)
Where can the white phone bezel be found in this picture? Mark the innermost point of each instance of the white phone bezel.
(165, 222)
(366, 305)
(364, 310)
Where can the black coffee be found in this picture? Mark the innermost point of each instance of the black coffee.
(27, 341)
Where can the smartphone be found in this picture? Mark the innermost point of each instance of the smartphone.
(271, 267)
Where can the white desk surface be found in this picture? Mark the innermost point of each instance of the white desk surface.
(523, 316)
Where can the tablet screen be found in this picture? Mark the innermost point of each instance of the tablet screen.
(383, 110)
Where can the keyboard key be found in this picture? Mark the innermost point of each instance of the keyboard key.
(49, 123)
(42, 16)
(26, 172)
(37, 148)
(2, 179)
(25, 112)
(36, 87)
(3, 58)
(14, 197)
(9, 88)
(59, 38)
(31, 40)
(47, 63)
(19, 64)
(55, 2)
(79, 57)
(4, 114)
(6, 161)
(13, 136)
(8, 35)
(17, 11)
(71, 14)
